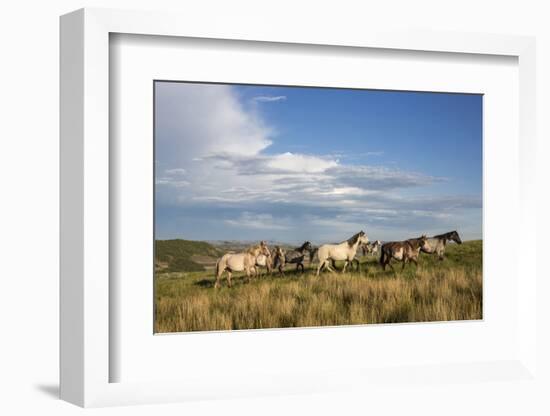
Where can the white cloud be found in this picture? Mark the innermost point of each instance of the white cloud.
(298, 163)
(200, 119)
(256, 221)
(346, 190)
(172, 182)
(269, 98)
(176, 171)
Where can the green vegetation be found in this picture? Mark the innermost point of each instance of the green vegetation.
(435, 291)
(184, 255)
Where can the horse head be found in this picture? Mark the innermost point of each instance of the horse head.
(423, 240)
(360, 238)
(363, 239)
(259, 249)
(455, 237)
(264, 249)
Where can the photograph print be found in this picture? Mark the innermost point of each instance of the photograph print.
(288, 206)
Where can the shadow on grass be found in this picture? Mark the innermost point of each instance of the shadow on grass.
(235, 280)
(369, 269)
(205, 283)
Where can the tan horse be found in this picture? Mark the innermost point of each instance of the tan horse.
(346, 251)
(238, 262)
(279, 259)
(264, 261)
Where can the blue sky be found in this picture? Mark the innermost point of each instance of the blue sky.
(292, 164)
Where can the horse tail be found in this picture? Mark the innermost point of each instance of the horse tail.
(382, 256)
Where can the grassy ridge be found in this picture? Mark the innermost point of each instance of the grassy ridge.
(436, 291)
(182, 255)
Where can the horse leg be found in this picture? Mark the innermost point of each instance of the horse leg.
(302, 267)
(330, 269)
(404, 262)
(321, 263)
(219, 274)
(345, 265)
(228, 279)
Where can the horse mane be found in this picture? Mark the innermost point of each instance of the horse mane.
(353, 239)
(413, 242)
(416, 241)
(447, 236)
(302, 247)
(253, 248)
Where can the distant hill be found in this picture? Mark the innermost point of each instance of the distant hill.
(184, 255)
(194, 256)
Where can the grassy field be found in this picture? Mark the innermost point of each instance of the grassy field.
(435, 291)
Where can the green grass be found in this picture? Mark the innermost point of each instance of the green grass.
(435, 291)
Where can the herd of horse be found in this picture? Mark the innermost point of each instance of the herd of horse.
(260, 256)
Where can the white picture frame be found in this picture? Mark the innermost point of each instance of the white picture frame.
(85, 211)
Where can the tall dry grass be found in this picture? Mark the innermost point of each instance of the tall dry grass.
(436, 291)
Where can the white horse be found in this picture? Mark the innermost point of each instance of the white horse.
(375, 247)
(343, 251)
(264, 261)
(372, 248)
(238, 262)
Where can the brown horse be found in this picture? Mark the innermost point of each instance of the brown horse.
(403, 251)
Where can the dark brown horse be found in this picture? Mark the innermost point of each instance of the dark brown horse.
(403, 251)
(297, 255)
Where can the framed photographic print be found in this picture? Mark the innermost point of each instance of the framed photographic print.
(334, 202)
(302, 197)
